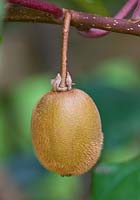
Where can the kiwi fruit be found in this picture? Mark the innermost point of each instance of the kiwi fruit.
(66, 132)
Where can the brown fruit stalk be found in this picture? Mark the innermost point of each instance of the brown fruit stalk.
(66, 132)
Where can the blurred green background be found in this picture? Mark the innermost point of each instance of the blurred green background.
(107, 69)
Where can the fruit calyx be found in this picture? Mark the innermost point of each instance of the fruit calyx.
(56, 83)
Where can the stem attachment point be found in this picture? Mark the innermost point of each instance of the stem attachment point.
(56, 83)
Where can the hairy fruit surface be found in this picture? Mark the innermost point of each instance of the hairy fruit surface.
(66, 132)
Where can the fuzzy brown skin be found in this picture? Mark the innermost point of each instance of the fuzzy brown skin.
(66, 132)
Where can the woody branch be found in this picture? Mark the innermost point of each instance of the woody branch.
(43, 12)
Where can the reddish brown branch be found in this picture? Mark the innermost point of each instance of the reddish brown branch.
(80, 20)
(21, 14)
(84, 21)
(123, 12)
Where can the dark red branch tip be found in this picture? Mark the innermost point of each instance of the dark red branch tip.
(40, 5)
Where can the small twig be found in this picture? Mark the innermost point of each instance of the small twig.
(126, 9)
(67, 20)
(136, 14)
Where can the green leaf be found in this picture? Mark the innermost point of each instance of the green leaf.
(97, 7)
(102, 7)
(117, 181)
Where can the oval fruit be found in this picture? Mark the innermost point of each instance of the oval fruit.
(66, 132)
